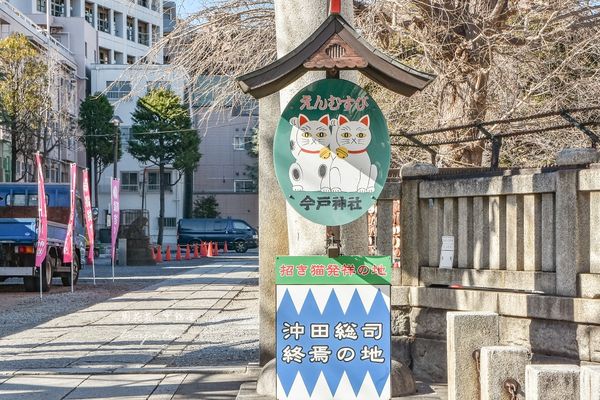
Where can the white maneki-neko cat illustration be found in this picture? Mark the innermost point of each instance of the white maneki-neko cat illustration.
(331, 155)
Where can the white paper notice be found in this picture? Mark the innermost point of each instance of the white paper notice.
(447, 252)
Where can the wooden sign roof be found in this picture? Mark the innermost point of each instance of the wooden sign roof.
(334, 46)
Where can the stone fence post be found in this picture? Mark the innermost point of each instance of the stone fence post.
(410, 219)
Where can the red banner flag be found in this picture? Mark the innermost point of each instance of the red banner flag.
(68, 249)
(89, 218)
(114, 197)
(42, 237)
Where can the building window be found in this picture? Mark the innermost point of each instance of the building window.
(243, 186)
(168, 222)
(103, 20)
(154, 184)
(130, 29)
(129, 181)
(130, 60)
(89, 13)
(239, 143)
(104, 56)
(143, 33)
(57, 7)
(117, 89)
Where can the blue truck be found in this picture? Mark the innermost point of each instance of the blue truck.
(18, 234)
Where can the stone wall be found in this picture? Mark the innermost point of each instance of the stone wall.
(527, 247)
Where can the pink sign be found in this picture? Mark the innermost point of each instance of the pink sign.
(68, 250)
(42, 239)
(87, 209)
(114, 200)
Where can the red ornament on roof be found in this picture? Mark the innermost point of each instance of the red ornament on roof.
(335, 6)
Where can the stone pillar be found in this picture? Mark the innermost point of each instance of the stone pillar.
(296, 20)
(548, 232)
(514, 233)
(532, 229)
(409, 238)
(499, 363)
(272, 227)
(465, 233)
(590, 382)
(450, 222)
(385, 215)
(552, 382)
(410, 220)
(480, 233)
(566, 233)
(354, 237)
(594, 232)
(497, 225)
(466, 333)
(436, 222)
(68, 8)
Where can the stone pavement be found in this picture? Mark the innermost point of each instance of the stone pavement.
(189, 335)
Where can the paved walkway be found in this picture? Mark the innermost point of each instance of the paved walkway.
(160, 342)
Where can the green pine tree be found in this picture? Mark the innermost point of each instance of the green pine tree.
(161, 135)
(95, 113)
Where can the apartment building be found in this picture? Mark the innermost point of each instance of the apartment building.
(123, 85)
(225, 168)
(61, 134)
(122, 31)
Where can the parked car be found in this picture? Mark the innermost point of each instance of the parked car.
(18, 234)
(238, 234)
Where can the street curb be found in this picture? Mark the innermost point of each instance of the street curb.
(216, 370)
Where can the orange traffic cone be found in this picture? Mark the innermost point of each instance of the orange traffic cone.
(216, 250)
(168, 253)
(196, 250)
(209, 253)
(153, 253)
(187, 252)
(159, 254)
(203, 251)
(178, 253)
(225, 249)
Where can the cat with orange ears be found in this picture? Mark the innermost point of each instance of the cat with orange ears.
(352, 170)
(310, 145)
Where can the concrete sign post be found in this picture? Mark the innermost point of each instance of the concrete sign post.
(333, 328)
(332, 152)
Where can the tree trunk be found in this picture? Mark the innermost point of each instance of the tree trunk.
(96, 180)
(161, 211)
(463, 101)
(13, 152)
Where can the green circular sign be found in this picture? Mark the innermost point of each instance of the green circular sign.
(332, 152)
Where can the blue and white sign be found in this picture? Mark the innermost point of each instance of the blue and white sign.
(333, 342)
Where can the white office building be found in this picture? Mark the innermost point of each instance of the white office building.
(123, 86)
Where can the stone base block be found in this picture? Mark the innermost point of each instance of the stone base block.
(429, 360)
(590, 383)
(467, 332)
(401, 346)
(498, 364)
(552, 382)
